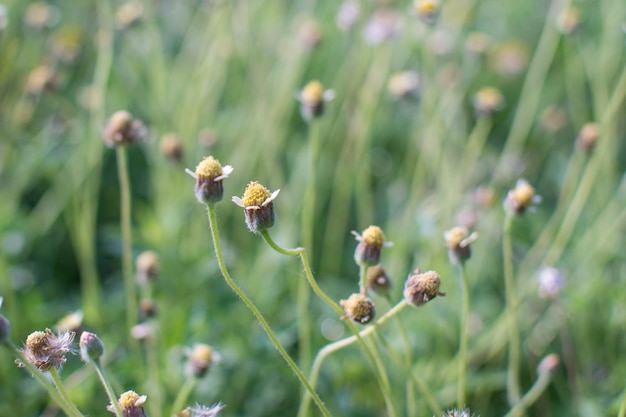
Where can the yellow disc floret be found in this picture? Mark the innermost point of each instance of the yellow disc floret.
(523, 194)
(455, 236)
(36, 342)
(209, 168)
(425, 7)
(313, 92)
(255, 195)
(374, 236)
(131, 399)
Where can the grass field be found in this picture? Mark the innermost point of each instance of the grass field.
(430, 115)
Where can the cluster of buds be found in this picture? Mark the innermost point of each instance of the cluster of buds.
(123, 129)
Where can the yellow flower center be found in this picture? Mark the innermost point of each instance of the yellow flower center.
(524, 194)
(129, 399)
(455, 236)
(357, 305)
(209, 168)
(255, 194)
(489, 98)
(374, 236)
(313, 92)
(202, 353)
(426, 6)
(36, 342)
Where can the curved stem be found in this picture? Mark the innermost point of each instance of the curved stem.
(125, 224)
(513, 387)
(37, 374)
(257, 313)
(183, 395)
(531, 396)
(463, 338)
(104, 380)
(57, 381)
(340, 344)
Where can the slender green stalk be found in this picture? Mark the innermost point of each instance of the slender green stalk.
(154, 379)
(52, 391)
(622, 408)
(127, 254)
(104, 380)
(363, 278)
(308, 215)
(513, 384)
(531, 396)
(231, 283)
(340, 344)
(68, 400)
(463, 337)
(183, 395)
(475, 144)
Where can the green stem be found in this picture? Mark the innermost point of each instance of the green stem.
(622, 408)
(257, 313)
(513, 385)
(531, 396)
(308, 215)
(154, 380)
(52, 391)
(372, 355)
(125, 224)
(463, 337)
(183, 395)
(340, 344)
(363, 278)
(104, 380)
(57, 381)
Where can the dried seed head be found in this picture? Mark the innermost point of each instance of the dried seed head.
(427, 10)
(487, 101)
(588, 137)
(122, 129)
(521, 198)
(359, 308)
(458, 240)
(457, 413)
(257, 202)
(202, 410)
(91, 347)
(377, 280)
(46, 350)
(404, 84)
(568, 21)
(131, 404)
(201, 357)
(172, 147)
(147, 266)
(209, 174)
(370, 244)
(421, 288)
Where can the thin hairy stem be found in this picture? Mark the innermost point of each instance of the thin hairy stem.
(540, 385)
(104, 380)
(231, 283)
(513, 384)
(463, 337)
(68, 400)
(125, 224)
(183, 395)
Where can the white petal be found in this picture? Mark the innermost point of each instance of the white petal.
(190, 172)
(329, 95)
(356, 235)
(387, 244)
(237, 201)
(270, 198)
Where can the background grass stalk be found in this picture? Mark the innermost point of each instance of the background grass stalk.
(104, 380)
(513, 384)
(125, 225)
(257, 313)
(540, 385)
(183, 395)
(463, 336)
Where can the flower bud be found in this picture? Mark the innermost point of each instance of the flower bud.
(147, 266)
(313, 99)
(549, 364)
(359, 308)
(370, 244)
(122, 129)
(377, 280)
(588, 137)
(421, 288)
(209, 175)
(172, 147)
(91, 347)
(201, 357)
(427, 10)
(487, 101)
(568, 21)
(519, 199)
(458, 240)
(257, 202)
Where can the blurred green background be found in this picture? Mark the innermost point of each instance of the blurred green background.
(412, 156)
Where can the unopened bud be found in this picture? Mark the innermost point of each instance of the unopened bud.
(91, 347)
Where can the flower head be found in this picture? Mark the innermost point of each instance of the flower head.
(312, 99)
(404, 84)
(551, 282)
(426, 10)
(46, 350)
(131, 404)
(421, 288)
(359, 308)
(521, 198)
(201, 357)
(377, 280)
(172, 147)
(370, 244)
(91, 347)
(487, 101)
(458, 240)
(257, 202)
(457, 413)
(209, 174)
(147, 266)
(123, 129)
(568, 21)
(588, 137)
